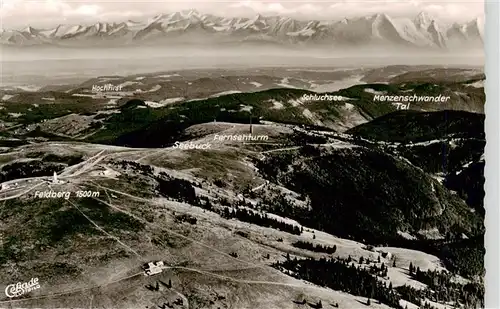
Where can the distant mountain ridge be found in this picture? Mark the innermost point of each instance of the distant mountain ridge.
(380, 30)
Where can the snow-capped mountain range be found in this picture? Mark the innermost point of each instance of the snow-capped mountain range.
(422, 31)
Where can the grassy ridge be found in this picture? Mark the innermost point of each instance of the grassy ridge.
(160, 126)
(148, 127)
(53, 225)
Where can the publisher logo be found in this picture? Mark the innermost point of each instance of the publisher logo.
(21, 288)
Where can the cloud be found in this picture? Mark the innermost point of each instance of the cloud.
(14, 13)
(453, 10)
(32, 10)
(86, 10)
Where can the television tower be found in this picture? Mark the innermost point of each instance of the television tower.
(251, 127)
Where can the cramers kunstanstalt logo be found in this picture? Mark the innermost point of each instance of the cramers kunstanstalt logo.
(21, 288)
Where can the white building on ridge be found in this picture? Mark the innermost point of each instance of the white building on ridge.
(152, 268)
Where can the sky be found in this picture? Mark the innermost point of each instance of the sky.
(46, 13)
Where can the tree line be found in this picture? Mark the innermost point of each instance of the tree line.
(339, 274)
(316, 248)
(249, 216)
(442, 288)
(143, 169)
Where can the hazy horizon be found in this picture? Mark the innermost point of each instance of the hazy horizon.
(44, 66)
(43, 72)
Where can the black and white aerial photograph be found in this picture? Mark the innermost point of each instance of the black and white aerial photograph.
(242, 154)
